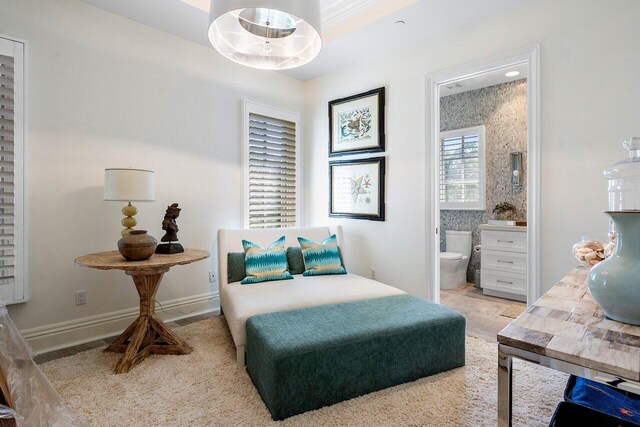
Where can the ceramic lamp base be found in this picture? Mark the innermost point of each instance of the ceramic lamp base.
(128, 221)
(169, 248)
(137, 246)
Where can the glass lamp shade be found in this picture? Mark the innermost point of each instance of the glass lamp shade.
(129, 185)
(266, 34)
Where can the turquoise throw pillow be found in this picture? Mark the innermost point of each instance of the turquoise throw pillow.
(265, 264)
(321, 258)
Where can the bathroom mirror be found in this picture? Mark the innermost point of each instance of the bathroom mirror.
(516, 171)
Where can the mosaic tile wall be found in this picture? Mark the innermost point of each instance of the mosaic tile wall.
(502, 109)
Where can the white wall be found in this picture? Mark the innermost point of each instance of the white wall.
(590, 63)
(107, 92)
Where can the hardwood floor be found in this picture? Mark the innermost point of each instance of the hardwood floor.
(486, 315)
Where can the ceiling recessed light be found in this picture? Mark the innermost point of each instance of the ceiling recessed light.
(400, 22)
(512, 73)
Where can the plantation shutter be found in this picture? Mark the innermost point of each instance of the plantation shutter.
(272, 172)
(461, 169)
(12, 287)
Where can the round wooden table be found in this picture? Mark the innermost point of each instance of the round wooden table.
(147, 334)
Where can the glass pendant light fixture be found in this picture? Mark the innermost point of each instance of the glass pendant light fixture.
(266, 34)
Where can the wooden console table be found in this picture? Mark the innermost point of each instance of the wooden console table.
(566, 330)
(147, 334)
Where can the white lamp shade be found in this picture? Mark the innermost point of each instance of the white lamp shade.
(266, 34)
(129, 185)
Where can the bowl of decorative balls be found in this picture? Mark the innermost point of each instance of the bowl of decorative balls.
(589, 251)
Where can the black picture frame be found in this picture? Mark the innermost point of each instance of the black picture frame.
(381, 166)
(380, 125)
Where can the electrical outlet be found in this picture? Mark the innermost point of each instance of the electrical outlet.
(212, 276)
(81, 297)
(373, 274)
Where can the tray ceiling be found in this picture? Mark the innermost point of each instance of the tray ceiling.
(353, 30)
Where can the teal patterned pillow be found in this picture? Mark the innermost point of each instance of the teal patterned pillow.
(321, 258)
(264, 264)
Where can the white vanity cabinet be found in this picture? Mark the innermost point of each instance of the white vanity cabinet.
(504, 261)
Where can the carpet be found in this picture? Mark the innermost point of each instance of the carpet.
(207, 388)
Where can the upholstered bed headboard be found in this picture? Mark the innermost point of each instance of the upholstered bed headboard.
(231, 241)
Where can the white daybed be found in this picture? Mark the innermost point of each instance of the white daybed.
(239, 302)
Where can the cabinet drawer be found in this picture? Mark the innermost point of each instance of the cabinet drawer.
(512, 241)
(504, 282)
(510, 262)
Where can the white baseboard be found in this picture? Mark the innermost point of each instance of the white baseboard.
(79, 331)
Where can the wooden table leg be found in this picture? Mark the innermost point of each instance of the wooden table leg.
(5, 397)
(147, 334)
(135, 352)
(119, 344)
(167, 341)
(505, 383)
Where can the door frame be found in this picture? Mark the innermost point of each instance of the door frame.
(531, 57)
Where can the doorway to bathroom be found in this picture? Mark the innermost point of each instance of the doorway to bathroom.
(482, 183)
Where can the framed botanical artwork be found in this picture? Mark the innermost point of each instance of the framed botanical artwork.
(356, 188)
(356, 123)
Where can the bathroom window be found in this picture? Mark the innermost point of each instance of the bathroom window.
(462, 169)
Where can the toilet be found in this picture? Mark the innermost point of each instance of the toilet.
(454, 262)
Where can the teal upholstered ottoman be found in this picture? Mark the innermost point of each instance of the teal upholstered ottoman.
(306, 359)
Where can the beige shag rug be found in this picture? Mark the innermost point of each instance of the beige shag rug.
(206, 388)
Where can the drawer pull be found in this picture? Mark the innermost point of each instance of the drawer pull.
(505, 282)
(505, 262)
(505, 241)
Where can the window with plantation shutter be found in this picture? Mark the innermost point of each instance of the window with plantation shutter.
(12, 258)
(271, 167)
(462, 169)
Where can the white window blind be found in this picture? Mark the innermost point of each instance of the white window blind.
(462, 169)
(12, 279)
(271, 169)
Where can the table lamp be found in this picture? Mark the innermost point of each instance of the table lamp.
(129, 185)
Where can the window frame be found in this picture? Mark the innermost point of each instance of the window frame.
(250, 107)
(21, 280)
(481, 205)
